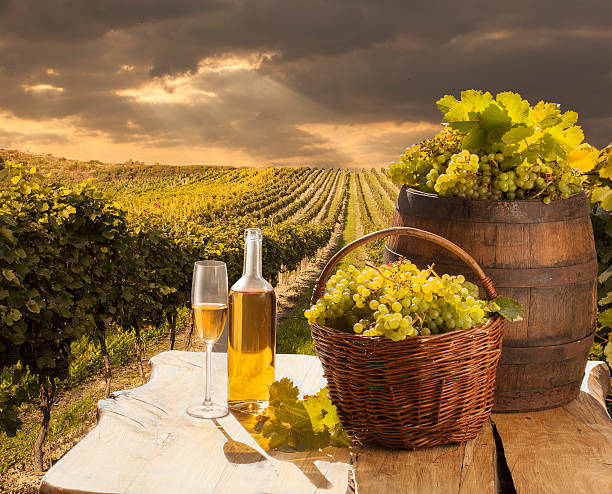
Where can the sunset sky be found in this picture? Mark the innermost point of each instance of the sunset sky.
(333, 83)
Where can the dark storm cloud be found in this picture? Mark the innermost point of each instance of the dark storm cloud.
(342, 62)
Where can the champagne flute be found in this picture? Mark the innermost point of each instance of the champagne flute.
(209, 304)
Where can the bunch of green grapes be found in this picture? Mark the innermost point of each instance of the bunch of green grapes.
(439, 166)
(398, 301)
(420, 164)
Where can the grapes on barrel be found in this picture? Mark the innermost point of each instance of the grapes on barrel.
(500, 148)
(398, 301)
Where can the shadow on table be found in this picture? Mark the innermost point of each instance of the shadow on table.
(240, 453)
(237, 452)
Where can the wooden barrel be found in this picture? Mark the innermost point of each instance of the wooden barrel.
(541, 255)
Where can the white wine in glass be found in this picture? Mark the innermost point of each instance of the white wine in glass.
(209, 305)
(209, 320)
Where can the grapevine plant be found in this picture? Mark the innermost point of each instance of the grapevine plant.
(498, 148)
(599, 181)
(73, 262)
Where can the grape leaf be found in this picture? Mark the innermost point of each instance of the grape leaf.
(457, 113)
(292, 424)
(33, 306)
(603, 277)
(583, 158)
(607, 203)
(476, 100)
(283, 391)
(600, 194)
(465, 125)
(445, 103)
(606, 299)
(517, 134)
(569, 118)
(494, 117)
(330, 419)
(471, 101)
(507, 308)
(605, 318)
(517, 107)
(8, 235)
(474, 140)
(605, 170)
(545, 115)
(568, 138)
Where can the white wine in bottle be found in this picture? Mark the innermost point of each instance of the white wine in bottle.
(251, 348)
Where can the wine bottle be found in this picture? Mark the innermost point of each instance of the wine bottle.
(251, 348)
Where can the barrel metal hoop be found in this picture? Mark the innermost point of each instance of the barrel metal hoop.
(549, 276)
(550, 353)
(535, 399)
(416, 203)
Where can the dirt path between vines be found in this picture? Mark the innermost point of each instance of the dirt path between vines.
(293, 287)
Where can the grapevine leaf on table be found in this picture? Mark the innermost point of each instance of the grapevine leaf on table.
(293, 425)
(321, 404)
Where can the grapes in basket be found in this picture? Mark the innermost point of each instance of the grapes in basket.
(397, 301)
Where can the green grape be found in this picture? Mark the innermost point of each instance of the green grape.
(397, 301)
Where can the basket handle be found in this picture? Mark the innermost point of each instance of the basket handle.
(485, 281)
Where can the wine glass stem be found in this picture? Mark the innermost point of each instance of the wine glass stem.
(207, 398)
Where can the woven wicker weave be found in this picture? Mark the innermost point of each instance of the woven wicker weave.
(422, 391)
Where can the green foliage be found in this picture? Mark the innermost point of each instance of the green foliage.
(73, 263)
(88, 360)
(57, 246)
(292, 424)
(600, 193)
(538, 132)
(497, 148)
(506, 307)
(16, 387)
(19, 448)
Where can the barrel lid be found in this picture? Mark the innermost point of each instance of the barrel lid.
(417, 203)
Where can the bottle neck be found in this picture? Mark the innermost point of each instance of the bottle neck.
(252, 258)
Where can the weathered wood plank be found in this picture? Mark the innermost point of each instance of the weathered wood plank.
(465, 469)
(567, 449)
(145, 442)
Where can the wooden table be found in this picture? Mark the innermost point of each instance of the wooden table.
(144, 442)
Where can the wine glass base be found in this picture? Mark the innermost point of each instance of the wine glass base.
(212, 411)
(248, 406)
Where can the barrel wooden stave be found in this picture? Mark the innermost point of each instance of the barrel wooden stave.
(547, 263)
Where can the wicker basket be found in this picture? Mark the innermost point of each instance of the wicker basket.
(422, 391)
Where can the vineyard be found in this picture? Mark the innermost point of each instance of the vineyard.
(111, 285)
(97, 262)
